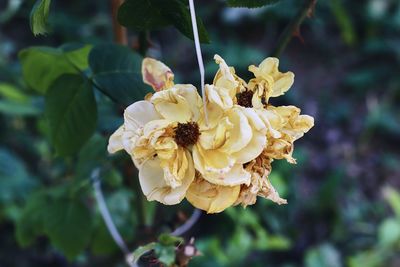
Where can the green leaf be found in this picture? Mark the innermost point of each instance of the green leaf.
(92, 155)
(72, 113)
(141, 15)
(393, 198)
(19, 109)
(43, 65)
(77, 54)
(30, 223)
(178, 13)
(39, 16)
(15, 181)
(155, 14)
(68, 224)
(140, 251)
(169, 240)
(389, 232)
(324, 255)
(250, 3)
(11, 92)
(165, 254)
(117, 73)
(102, 242)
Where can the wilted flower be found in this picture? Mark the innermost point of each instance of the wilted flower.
(157, 134)
(218, 160)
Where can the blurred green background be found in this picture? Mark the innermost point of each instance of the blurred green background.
(344, 202)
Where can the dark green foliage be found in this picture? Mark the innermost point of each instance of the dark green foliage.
(116, 71)
(155, 14)
(68, 223)
(250, 3)
(72, 113)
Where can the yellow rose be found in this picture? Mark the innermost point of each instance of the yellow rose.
(158, 134)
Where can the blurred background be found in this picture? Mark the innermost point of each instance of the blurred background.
(344, 202)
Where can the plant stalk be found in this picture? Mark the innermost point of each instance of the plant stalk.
(120, 32)
(293, 26)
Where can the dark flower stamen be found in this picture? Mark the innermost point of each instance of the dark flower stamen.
(186, 134)
(244, 99)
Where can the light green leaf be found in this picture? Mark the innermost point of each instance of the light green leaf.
(39, 16)
(140, 251)
(72, 113)
(393, 198)
(11, 92)
(68, 223)
(169, 240)
(250, 3)
(19, 109)
(117, 73)
(324, 255)
(43, 65)
(389, 232)
(165, 254)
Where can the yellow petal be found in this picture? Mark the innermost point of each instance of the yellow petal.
(157, 74)
(155, 187)
(181, 103)
(226, 78)
(240, 134)
(138, 114)
(211, 198)
(236, 175)
(253, 149)
(115, 142)
(283, 82)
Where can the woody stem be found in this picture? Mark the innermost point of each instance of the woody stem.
(120, 32)
(292, 27)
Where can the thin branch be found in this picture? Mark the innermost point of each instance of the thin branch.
(199, 55)
(105, 214)
(305, 11)
(120, 32)
(188, 224)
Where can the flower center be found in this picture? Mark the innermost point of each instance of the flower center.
(186, 134)
(244, 99)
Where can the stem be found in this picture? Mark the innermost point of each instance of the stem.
(293, 26)
(120, 32)
(140, 204)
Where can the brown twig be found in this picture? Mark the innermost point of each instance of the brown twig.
(293, 28)
(120, 32)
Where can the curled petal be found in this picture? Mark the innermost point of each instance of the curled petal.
(157, 74)
(138, 114)
(211, 198)
(155, 187)
(115, 143)
(181, 103)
